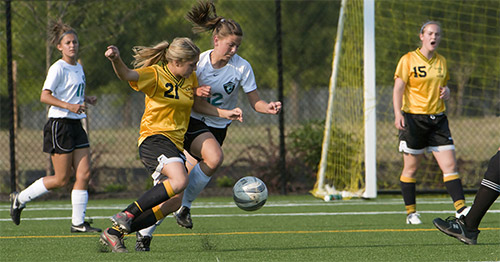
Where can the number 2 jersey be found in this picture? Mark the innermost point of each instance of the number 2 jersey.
(225, 83)
(168, 103)
(422, 77)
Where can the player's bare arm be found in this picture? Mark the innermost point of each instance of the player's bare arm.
(397, 100)
(262, 106)
(121, 70)
(202, 106)
(47, 98)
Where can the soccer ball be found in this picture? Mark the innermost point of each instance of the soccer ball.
(250, 193)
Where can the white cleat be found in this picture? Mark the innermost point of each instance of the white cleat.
(413, 219)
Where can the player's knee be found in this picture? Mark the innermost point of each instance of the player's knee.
(83, 176)
(178, 184)
(214, 161)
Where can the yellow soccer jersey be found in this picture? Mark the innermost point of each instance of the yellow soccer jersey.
(168, 103)
(423, 77)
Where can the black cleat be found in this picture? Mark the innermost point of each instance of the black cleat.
(455, 227)
(143, 242)
(15, 208)
(183, 217)
(84, 228)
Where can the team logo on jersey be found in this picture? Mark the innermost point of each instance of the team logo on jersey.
(229, 87)
(440, 72)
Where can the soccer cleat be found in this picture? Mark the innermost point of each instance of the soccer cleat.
(15, 208)
(463, 213)
(123, 220)
(413, 219)
(455, 227)
(143, 242)
(183, 217)
(84, 228)
(115, 243)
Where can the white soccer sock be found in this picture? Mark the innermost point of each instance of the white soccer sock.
(79, 199)
(35, 190)
(197, 182)
(148, 231)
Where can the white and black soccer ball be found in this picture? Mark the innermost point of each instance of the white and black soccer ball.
(250, 193)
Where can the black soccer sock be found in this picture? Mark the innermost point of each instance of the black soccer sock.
(408, 190)
(455, 190)
(486, 195)
(151, 198)
(147, 219)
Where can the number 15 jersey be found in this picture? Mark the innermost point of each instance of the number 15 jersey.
(422, 77)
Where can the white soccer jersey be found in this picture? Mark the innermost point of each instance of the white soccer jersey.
(67, 83)
(225, 83)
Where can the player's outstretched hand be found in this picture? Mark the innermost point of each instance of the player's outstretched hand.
(112, 52)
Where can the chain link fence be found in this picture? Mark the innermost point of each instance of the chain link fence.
(113, 124)
(307, 35)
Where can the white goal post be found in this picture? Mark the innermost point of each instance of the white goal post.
(370, 99)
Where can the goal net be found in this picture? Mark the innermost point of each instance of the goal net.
(359, 136)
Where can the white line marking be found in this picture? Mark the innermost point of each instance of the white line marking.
(269, 215)
(200, 205)
(356, 202)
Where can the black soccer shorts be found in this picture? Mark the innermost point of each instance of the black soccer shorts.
(156, 151)
(197, 127)
(63, 135)
(425, 133)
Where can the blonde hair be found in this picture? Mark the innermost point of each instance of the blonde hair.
(58, 30)
(204, 17)
(181, 49)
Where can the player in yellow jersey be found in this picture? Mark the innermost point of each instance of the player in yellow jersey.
(226, 73)
(165, 74)
(420, 88)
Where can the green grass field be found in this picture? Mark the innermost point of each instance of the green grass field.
(287, 228)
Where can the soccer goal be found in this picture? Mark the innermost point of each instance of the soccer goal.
(359, 134)
(348, 149)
